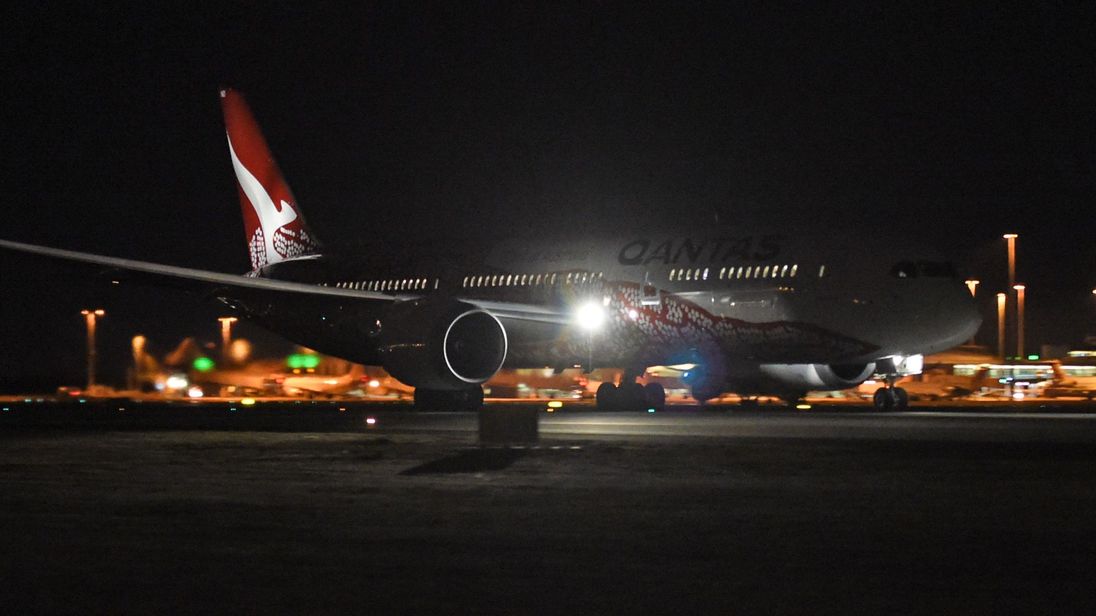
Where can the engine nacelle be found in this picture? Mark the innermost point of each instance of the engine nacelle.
(445, 345)
(817, 376)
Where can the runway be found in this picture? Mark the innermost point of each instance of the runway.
(727, 512)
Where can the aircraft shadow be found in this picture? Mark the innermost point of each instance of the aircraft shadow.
(470, 461)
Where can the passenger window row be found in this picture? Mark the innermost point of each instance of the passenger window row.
(741, 272)
(402, 284)
(532, 280)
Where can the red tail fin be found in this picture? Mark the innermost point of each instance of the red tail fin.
(274, 226)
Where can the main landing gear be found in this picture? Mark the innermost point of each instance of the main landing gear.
(891, 398)
(631, 396)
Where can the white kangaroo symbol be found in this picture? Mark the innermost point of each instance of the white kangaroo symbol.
(271, 217)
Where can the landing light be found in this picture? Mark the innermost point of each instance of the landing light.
(590, 316)
(373, 384)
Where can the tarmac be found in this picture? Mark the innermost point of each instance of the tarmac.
(312, 509)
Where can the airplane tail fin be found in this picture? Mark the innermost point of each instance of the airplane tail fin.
(273, 224)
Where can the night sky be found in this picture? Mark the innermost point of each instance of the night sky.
(451, 123)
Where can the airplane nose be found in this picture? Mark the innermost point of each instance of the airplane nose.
(961, 314)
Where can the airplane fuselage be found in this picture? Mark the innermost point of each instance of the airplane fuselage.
(733, 298)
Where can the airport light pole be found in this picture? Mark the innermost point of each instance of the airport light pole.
(1019, 320)
(138, 359)
(89, 320)
(973, 286)
(226, 335)
(1001, 325)
(1010, 239)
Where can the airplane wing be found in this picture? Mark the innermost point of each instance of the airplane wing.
(216, 283)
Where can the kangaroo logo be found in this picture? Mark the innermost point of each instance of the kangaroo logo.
(272, 218)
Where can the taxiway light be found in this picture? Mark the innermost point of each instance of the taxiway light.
(247, 401)
(372, 421)
(590, 316)
(195, 392)
(203, 364)
(803, 407)
(650, 410)
(555, 404)
(302, 360)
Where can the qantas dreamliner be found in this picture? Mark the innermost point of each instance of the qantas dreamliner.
(746, 310)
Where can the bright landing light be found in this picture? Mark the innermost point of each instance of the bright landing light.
(590, 316)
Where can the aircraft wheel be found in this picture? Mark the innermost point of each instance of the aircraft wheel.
(606, 397)
(631, 397)
(656, 396)
(901, 399)
(883, 399)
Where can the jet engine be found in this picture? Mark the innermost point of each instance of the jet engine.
(441, 345)
(817, 376)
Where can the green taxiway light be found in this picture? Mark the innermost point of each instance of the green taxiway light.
(1033, 357)
(203, 364)
(302, 360)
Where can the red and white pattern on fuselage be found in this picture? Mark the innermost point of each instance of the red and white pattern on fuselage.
(676, 328)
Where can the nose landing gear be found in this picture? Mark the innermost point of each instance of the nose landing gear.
(891, 398)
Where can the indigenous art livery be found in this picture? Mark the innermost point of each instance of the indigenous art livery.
(748, 310)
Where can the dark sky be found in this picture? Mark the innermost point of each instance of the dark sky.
(448, 122)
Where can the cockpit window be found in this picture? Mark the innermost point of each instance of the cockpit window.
(904, 270)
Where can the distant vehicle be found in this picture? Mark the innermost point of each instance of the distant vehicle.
(1063, 385)
(938, 384)
(757, 311)
(66, 391)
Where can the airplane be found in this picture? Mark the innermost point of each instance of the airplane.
(755, 311)
(1063, 385)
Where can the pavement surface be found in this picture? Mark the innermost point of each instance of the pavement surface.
(314, 510)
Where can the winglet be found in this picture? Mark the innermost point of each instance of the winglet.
(274, 227)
